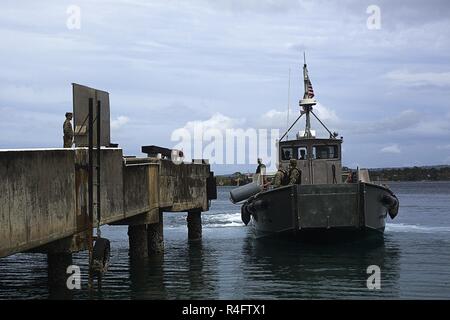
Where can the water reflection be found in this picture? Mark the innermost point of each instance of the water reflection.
(289, 269)
(197, 278)
(202, 271)
(185, 271)
(147, 278)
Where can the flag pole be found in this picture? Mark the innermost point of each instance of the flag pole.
(305, 85)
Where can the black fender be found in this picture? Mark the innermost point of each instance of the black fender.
(100, 256)
(251, 208)
(245, 214)
(390, 201)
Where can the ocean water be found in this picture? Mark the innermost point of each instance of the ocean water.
(229, 263)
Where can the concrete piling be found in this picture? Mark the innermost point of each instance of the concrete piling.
(57, 276)
(137, 238)
(194, 223)
(155, 236)
(57, 267)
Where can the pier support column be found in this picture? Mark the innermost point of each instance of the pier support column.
(155, 236)
(194, 222)
(57, 276)
(137, 238)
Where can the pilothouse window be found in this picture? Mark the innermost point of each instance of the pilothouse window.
(325, 152)
(286, 153)
(302, 153)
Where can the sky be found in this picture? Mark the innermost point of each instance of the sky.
(381, 76)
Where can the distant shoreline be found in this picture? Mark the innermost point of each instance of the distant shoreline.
(407, 174)
(376, 181)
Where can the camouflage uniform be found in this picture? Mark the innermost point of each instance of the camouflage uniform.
(280, 176)
(68, 134)
(295, 176)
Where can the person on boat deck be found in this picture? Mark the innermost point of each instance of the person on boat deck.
(260, 172)
(280, 177)
(295, 175)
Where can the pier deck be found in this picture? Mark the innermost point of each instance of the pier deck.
(44, 195)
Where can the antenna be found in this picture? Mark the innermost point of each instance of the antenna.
(288, 102)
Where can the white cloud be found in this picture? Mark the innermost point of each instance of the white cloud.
(278, 119)
(407, 78)
(217, 121)
(119, 122)
(226, 140)
(191, 137)
(326, 114)
(391, 149)
(274, 119)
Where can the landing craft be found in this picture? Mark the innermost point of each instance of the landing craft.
(322, 205)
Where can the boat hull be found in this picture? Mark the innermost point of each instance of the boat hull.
(327, 211)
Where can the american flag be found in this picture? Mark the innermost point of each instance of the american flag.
(309, 92)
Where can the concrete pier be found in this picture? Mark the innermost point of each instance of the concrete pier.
(44, 202)
(194, 224)
(155, 236)
(44, 192)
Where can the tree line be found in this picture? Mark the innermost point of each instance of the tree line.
(440, 173)
(411, 174)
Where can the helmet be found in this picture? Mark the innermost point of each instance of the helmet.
(293, 163)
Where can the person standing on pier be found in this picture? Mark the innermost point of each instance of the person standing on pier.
(68, 131)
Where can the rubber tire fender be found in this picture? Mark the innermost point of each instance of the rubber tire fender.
(100, 256)
(245, 215)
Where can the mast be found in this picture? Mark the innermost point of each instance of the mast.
(307, 102)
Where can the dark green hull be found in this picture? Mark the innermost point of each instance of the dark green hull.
(321, 212)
